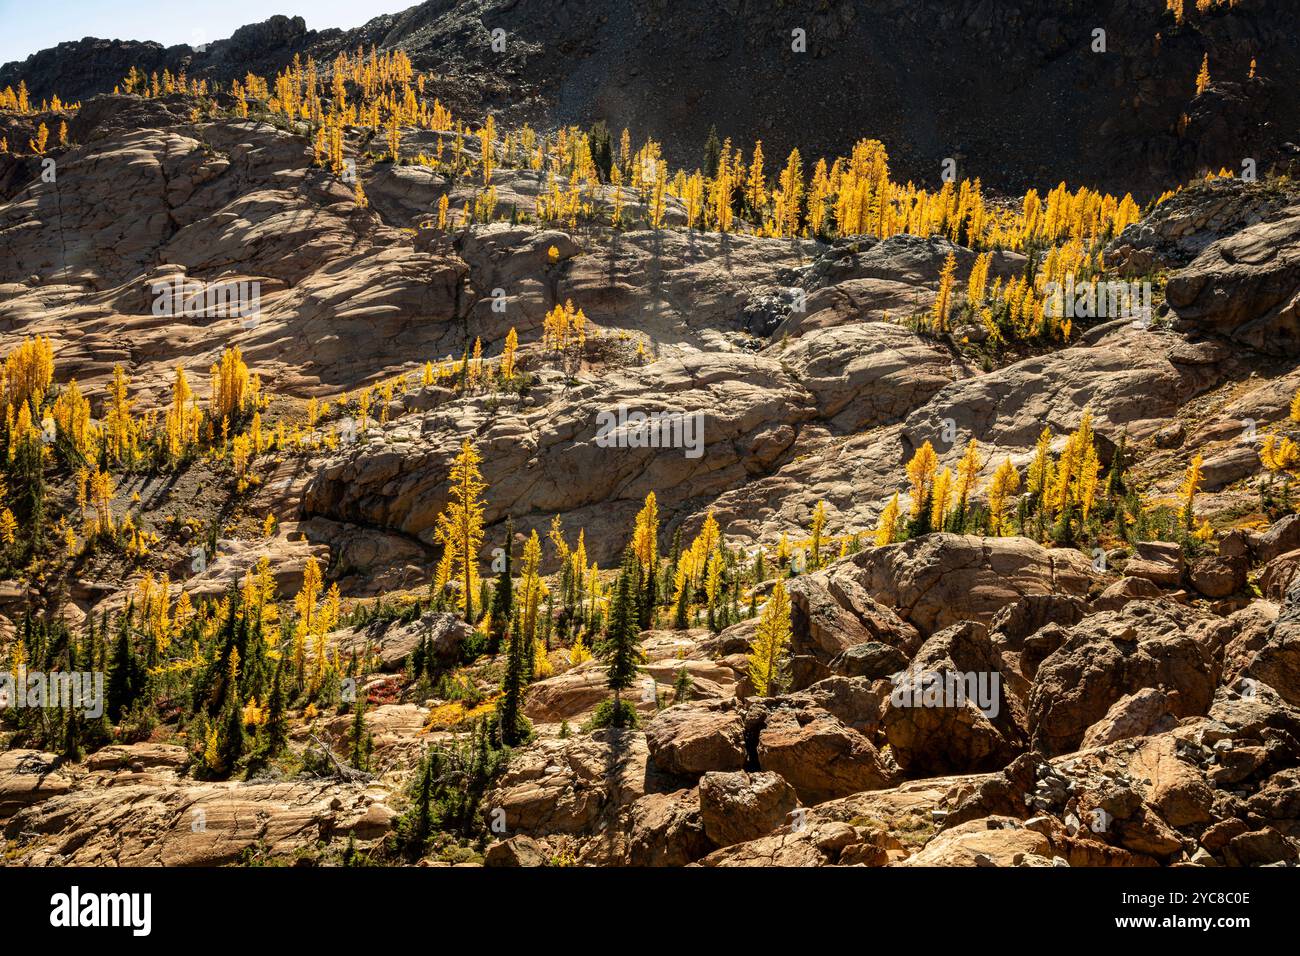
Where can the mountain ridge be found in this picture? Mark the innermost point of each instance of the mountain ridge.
(1008, 92)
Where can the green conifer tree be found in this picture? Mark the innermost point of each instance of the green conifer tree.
(232, 744)
(513, 725)
(619, 650)
(126, 678)
(277, 720)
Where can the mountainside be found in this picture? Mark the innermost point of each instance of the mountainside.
(428, 477)
(1015, 92)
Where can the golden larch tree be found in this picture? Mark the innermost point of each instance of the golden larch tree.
(943, 299)
(888, 523)
(461, 523)
(967, 470)
(920, 472)
(1005, 483)
(818, 526)
(755, 184)
(1203, 77)
(1187, 492)
(508, 355)
(772, 637)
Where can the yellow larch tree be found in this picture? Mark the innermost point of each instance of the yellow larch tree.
(815, 534)
(645, 546)
(1278, 454)
(940, 498)
(38, 144)
(530, 586)
(101, 500)
(789, 201)
(27, 372)
(305, 608)
(755, 184)
(1187, 491)
(182, 422)
(508, 355)
(979, 277)
(967, 471)
(819, 191)
(233, 388)
(943, 298)
(71, 413)
(920, 472)
(771, 638)
(461, 522)
(713, 583)
(887, 525)
(1005, 483)
(119, 427)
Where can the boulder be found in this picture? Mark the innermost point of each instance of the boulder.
(871, 660)
(1160, 562)
(738, 807)
(664, 829)
(939, 580)
(1174, 785)
(854, 701)
(1261, 848)
(831, 613)
(1277, 662)
(1110, 655)
(1126, 589)
(518, 851)
(563, 786)
(567, 696)
(120, 818)
(1277, 801)
(1244, 287)
(1253, 628)
(138, 757)
(1225, 467)
(814, 843)
(1281, 537)
(990, 841)
(1217, 576)
(692, 739)
(28, 777)
(949, 712)
(1134, 715)
(820, 757)
(1276, 577)
(1025, 617)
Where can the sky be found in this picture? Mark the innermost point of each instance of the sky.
(29, 26)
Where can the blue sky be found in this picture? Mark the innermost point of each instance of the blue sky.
(29, 26)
